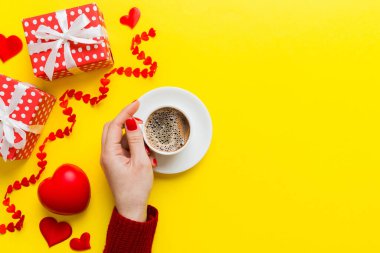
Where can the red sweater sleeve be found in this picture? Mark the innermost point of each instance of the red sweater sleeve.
(128, 236)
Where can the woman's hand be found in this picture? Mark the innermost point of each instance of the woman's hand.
(127, 164)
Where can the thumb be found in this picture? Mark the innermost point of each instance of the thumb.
(135, 138)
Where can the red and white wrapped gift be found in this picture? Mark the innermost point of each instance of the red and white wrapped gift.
(24, 110)
(67, 42)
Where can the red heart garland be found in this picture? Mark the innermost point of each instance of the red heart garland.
(9, 47)
(82, 243)
(132, 18)
(54, 232)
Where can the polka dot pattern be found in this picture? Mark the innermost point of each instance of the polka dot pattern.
(33, 109)
(87, 57)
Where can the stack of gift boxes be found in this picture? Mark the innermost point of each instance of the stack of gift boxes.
(60, 44)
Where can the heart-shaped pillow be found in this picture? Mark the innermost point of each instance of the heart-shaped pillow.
(67, 192)
(9, 47)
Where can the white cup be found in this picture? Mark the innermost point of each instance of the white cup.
(160, 151)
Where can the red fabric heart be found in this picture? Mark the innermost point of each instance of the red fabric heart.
(78, 95)
(67, 192)
(144, 73)
(3, 229)
(82, 243)
(17, 185)
(6, 202)
(105, 81)
(148, 60)
(32, 179)
(144, 36)
(93, 100)
(71, 118)
(68, 111)
(128, 71)
(152, 32)
(132, 18)
(135, 50)
(41, 156)
(64, 103)
(66, 131)
(11, 208)
(9, 47)
(141, 56)
(54, 232)
(86, 98)
(59, 133)
(103, 90)
(136, 72)
(16, 215)
(25, 182)
(11, 227)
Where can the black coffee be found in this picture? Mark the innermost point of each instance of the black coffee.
(167, 129)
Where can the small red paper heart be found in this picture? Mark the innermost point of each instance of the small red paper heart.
(152, 32)
(3, 229)
(6, 202)
(11, 208)
(16, 215)
(144, 73)
(52, 136)
(128, 71)
(144, 36)
(132, 18)
(11, 227)
(78, 95)
(141, 56)
(41, 148)
(9, 47)
(41, 156)
(71, 93)
(136, 72)
(64, 104)
(105, 81)
(25, 182)
(137, 39)
(82, 243)
(135, 50)
(148, 61)
(20, 223)
(67, 192)
(54, 232)
(120, 71)
(59, 133)
(103, 96)
(17, 185)
(103, 90)
(9, 189)
(153, 67)
(32, 179)
(68, 111)
(66, 131)
(71, 118)
(42, 164)
(86, 98)
(93, 101)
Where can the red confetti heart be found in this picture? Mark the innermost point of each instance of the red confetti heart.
(6, 202)
(71, 93)
(20, 223)
(52, 136)
(11, 227)
(148, 61)
(141, 56)
(132, 18)
(103, 90)
(9, 47)
(54, 232)
(144, 73)
(101, 97)
(11, 208)
(72, 118)
(32, 179)
(152, 32)
(66, 131)
(120, 71)
(135, 50)
(64, 104)
(68, 111)
(144, 36)
(82, 243)
(16, 215)
(105, 81)
(151, 73)
(41, 156)
(59, 133)
(78, 95)
(9, 189)
(3, 229)
(25, 182)
(17, 185)
(136, 72)
(42, 164)
(93, 101)
(137, 39)
(41, 148)
(128, 71)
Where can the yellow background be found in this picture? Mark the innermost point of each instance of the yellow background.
(292, 87)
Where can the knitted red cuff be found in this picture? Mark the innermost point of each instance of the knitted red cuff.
(128, 236)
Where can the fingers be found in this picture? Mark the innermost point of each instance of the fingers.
(104, 134)
(135, 139)
(114, 134)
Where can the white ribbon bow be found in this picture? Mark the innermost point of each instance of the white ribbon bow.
(8, 126)
(76, 33)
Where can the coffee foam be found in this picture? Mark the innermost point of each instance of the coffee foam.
(167, 129)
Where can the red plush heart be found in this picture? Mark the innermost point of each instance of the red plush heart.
(131, 19)
(54, 232)
(67, 192)
(82, 243)
(9, 47)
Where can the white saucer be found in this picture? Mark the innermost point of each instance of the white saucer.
(201, 126)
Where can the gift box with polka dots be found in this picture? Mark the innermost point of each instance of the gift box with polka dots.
(87, 57)
(33, 109)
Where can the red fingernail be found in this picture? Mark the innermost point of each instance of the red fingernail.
(154, 162)
(131, 124)
(147, 150)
